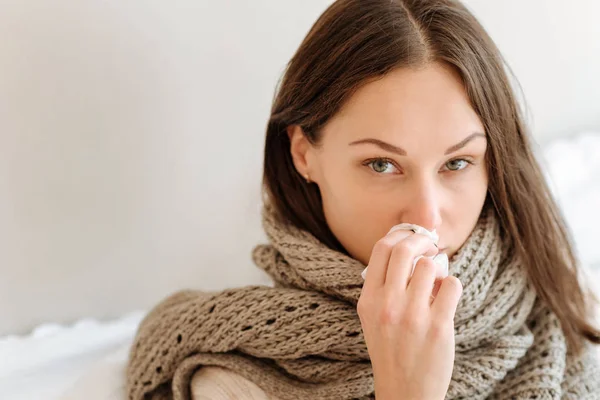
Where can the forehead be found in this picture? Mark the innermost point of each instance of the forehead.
(407, 103)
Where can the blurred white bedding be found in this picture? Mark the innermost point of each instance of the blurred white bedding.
(56, 360)
(86, 360)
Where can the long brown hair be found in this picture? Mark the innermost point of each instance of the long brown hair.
(357, 41)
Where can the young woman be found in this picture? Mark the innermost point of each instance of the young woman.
(391, 111)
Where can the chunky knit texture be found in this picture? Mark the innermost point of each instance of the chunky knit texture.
(302, 339)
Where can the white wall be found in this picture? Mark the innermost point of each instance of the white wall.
(131, 137)
(553, 47)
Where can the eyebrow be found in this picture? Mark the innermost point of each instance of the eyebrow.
(400, 151)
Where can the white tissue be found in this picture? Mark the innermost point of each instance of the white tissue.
(441, 259)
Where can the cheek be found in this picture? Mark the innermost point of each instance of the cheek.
(469, 189)
(356, 219)
(465, 208)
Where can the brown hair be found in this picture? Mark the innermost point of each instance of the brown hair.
(357, 41)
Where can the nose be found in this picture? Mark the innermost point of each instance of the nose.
(424, 206)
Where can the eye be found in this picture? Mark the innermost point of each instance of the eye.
(381, 165)
(458, 164)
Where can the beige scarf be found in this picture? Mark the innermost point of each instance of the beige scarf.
(302, 339)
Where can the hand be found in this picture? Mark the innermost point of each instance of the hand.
(409, 336)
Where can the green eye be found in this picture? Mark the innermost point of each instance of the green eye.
(457, 164)
(380, 165)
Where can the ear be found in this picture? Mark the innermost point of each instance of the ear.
(299, 147)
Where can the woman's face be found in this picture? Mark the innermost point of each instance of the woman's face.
(406, 148)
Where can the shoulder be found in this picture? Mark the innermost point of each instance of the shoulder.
(217, 383)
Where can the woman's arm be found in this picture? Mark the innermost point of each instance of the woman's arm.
(217, 383)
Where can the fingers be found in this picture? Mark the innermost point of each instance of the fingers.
(402, 259)
(421, 284)
(380, 258)
(436, 287)
(446, 301)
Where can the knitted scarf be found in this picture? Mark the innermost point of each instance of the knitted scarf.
(302, 339)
